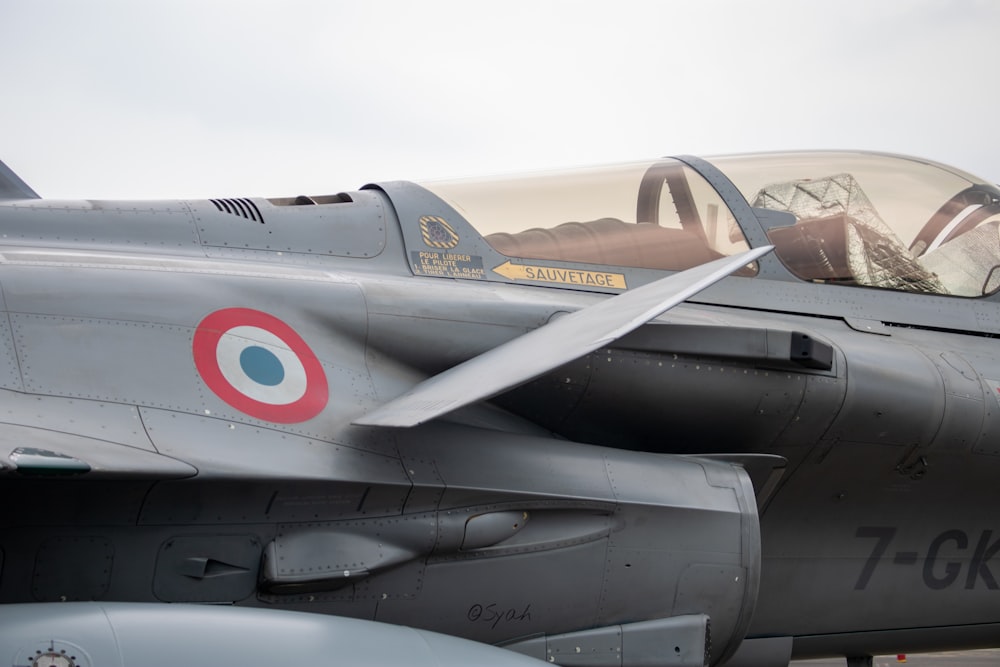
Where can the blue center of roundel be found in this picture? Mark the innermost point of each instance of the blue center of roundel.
(262, 366)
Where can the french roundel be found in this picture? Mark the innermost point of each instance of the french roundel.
(258, 364)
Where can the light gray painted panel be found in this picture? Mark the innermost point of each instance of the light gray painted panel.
(84, 321)
(91, 419)
(123, 634)
(169, 291)
(219, 447)
(153, 226)
(345, 229)
(72, 357)
(154, 365)
(10, 373)
(104, 458)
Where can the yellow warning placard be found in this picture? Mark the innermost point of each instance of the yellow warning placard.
(561, 276)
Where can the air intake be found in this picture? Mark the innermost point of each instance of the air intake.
(241, 207)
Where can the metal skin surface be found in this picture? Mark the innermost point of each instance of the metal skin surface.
(119, 634)
(773, 469)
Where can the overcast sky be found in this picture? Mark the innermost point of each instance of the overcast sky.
(204, 98)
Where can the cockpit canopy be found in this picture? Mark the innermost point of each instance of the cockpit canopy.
(877, 220)
(660, 215)
(859, 219)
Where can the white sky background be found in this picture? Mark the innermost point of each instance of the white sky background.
(200, 98)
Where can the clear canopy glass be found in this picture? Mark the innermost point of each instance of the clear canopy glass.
(654, 215)
(859, 219)
(877, 220)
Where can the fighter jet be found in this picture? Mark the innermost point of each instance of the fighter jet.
(683, 411)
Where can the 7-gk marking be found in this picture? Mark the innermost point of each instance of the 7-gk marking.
(937, 572)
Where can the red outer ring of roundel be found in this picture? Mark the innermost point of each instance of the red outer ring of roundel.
(206, 340)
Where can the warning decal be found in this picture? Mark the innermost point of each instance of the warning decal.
(561, 276)
(447, 264)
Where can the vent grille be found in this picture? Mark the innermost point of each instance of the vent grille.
(241, 207)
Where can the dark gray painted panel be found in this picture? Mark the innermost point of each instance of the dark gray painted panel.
(208, 568)
(70, 568)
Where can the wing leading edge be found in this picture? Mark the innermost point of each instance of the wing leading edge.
(560, 341)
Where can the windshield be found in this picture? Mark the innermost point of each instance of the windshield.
(653, 215)
(877, 220)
